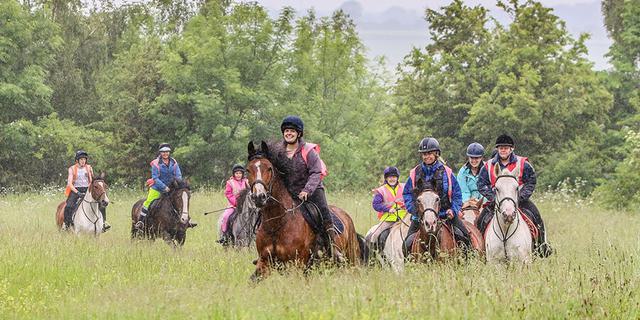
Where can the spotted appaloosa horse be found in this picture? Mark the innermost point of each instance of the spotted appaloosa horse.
(283, 235)
(87, 218)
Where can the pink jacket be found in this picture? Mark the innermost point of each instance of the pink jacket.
(233, 188)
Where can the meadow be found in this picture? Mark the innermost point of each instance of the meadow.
(594, 274)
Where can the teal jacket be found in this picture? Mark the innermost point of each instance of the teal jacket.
(467, 183)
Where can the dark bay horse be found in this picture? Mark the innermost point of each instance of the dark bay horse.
(283, 235)
(168, 216)
(435, 240)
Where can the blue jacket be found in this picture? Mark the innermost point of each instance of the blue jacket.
(528, 178)
(164, 175)
(428, 171)
(468, 184)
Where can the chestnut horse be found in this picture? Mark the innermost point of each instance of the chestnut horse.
(471, 210)
(435, 239)
(168, 218)
(87, 218)
(284, 236)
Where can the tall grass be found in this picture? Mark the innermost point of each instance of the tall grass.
(46, 274)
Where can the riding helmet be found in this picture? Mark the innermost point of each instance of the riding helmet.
(81, 154)
(429, 144)
(505, 140)
(237, 167)
(391, 171)
(293, 122)
(475, 150)
(164, 147)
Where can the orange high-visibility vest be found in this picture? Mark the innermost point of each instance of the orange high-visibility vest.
(67, 190)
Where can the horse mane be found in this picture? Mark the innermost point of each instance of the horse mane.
(179, 184)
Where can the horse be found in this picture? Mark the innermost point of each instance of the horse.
(284, 236)
(508, 236)
(243, 223)
(168, 216)
(471, 210)
(435, 239)
(392, 252)
(87, 217)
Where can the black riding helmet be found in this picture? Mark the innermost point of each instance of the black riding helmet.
(237, 167)
(505, 140)
(293, 122)
(429, 144)
(81, 154)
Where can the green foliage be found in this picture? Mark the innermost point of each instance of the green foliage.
(622, 188)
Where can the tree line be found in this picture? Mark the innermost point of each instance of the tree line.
(209, 76)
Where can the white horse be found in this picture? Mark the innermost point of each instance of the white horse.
(392, 253)
(508, 237)
(88, 218)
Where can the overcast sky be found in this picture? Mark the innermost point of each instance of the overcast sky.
(391, 28)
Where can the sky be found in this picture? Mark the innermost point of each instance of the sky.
(392, 28)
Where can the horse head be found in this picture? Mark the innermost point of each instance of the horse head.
(98, 190)
(261, 174)
(506, 190)
(180, 195)
(428, 206)
(471, 210)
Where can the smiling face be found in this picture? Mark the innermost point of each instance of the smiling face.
(392, 180)
(475, 161)
(429, 157)
(504, 152)
(238, 175)
(165, 155)
(290, 136)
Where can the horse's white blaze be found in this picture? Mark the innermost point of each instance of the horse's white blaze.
(259, 187)
(185, 208)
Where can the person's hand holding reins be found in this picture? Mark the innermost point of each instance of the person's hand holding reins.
(450, 214)
(303, 196)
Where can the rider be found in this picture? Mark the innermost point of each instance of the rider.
(305, 177)
(468, 174)
(507, 162)
(388, 202)
(236, 183)
(164, 170)
(78, 181)
(446, 184)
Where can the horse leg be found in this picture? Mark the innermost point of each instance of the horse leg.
(262, 270)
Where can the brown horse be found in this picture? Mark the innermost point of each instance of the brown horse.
(283, 235)
(168, 216)
(435, 239)
(90, 220)
(471, 210)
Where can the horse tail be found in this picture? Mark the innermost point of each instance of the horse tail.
(364, 249)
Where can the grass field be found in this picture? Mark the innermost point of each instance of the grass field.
(45, 274)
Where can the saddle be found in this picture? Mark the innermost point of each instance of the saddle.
(535, 233)
(311, 214)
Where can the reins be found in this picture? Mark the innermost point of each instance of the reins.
(503, 234)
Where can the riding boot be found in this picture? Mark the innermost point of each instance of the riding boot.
(485, 217)
(142, 218)
(332, 235)
(463, 239)
(541, 247)
(413, 228)
(105, 225)
(67, 218)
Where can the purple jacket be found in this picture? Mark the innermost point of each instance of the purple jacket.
(303, 176)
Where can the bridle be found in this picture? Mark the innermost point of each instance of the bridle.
(96, 201)
(503, 236)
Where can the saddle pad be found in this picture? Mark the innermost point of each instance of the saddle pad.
(532, 226)
(311, 214)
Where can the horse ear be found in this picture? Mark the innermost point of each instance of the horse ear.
(102, 175)
(264, 147)
(251, 149)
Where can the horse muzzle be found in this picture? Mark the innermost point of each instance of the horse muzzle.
(104, 203)
(260, 199)
(184, 218)
(509, 217)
